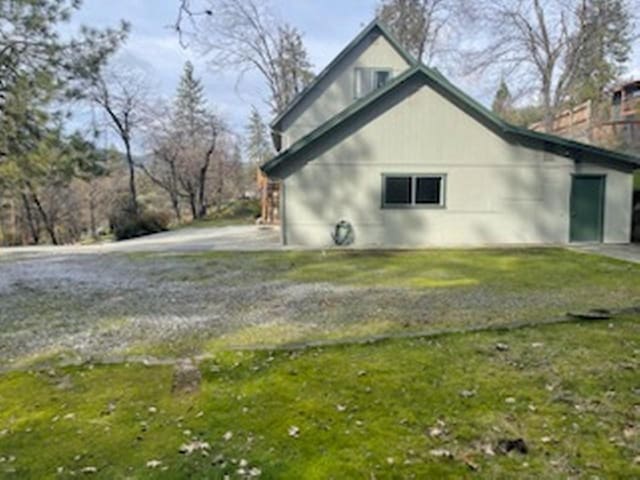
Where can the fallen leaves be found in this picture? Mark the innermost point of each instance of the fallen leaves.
(467, 393)
(441, 453)
(195, 446)
(153, 463)
(294, 431)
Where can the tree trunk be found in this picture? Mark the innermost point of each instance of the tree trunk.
(35, 235)
(192, 204)
(202, 181)
(49, 225)
(175, 203)
(132, 178)
(92, 212)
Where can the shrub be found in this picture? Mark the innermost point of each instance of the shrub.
(125, 224)
(241, 209)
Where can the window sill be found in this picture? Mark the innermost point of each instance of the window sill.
(413, 207)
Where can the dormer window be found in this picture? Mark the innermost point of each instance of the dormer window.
(369, 79)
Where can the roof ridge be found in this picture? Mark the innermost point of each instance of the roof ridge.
(375, 23)
(510, 133)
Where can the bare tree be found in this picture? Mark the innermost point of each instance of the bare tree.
(163, 164)
(244, 35)
(419, 25)
(543, 43)
(122, 97)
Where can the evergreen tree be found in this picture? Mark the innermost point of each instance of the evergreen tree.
(502, 102)
(606, 38)
(190, 103)
(417, 24)
(258, 145)
(38, 65)
(293, 66)
(197, 131)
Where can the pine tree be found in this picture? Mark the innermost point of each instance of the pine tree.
(258, 146)
(197, 131)
(606, 37)
(190, 103)
(502, 102)
(417, 24)
(293, 66)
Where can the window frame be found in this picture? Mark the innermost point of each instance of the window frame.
(371, 73)
(413, 205)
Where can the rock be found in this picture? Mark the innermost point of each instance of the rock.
(255, 472)
(468, 393)
(294, 431)
(341, 408)
(546, 439)
(510, 400)
(153, 410)
(227, 436)
(153, 463)
(507, 445)
(186, 378)
(502, 347)
(89, 470)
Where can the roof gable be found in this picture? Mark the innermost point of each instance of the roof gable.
(579, 152)
(374, 26)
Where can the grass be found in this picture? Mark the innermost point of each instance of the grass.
(466, 287)
(570, 391)
(542, 269)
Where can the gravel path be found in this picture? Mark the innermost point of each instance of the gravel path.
(103, 304)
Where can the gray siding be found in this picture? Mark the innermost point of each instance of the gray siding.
(336, 91)
(496, 192)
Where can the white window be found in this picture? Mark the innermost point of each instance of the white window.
(368, 79)
(407, 191)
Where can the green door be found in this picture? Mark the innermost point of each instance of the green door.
(587, 208)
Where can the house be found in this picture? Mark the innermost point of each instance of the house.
(381, 151)
(618, 125)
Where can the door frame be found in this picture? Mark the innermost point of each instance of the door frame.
(603, 178)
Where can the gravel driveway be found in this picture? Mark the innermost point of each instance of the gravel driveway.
(160, 295)
(190, 239)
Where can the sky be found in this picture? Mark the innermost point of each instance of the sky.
(153, 47)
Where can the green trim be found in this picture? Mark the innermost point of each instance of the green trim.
(335, 121)
(441, 205)
(577, 151)
(375, 24)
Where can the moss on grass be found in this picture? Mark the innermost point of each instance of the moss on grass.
(570, 391)
(503, 269)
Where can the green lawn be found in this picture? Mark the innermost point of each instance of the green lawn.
(435, 407)
(391, 410)
(404, 291)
